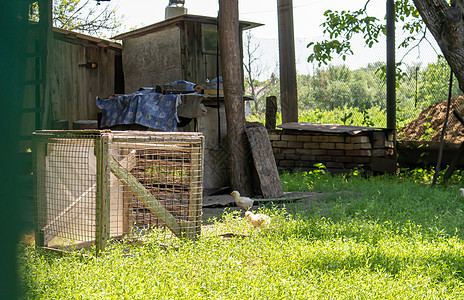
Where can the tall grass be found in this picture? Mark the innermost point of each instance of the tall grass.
(363, 238)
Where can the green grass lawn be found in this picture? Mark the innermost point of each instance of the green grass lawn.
(368, 238)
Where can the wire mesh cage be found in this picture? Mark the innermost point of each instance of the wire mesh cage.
(92, 186)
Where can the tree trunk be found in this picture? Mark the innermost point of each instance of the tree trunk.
(240, 176)
(446, 25)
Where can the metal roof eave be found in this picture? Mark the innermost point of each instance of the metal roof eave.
(173, 21)
(97, 41)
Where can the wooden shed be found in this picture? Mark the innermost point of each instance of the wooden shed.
(180, 48)
(184, 48)
(79, 68)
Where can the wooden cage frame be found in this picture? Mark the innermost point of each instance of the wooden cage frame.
(110, 168)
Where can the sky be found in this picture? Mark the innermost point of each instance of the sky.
(307, 15)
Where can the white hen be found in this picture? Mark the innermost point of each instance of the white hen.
(462, 191)
(258, 220)
(244, 202)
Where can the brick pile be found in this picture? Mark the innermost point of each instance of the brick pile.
(339, 152)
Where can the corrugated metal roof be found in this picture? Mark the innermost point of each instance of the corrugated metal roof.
(173, 21)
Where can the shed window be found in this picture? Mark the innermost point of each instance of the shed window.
(209, 37)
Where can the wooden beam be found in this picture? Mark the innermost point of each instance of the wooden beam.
(46, 44)
(391, 66)
(67, 210)
(40, 198)
(102, 193)
(271, 112)
(129, 162)
(288, 88)
(195, 193)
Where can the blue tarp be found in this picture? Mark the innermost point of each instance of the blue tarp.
(144, 107)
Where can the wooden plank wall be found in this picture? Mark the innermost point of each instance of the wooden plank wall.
(152, 59)
(192, 61)
(73, 87)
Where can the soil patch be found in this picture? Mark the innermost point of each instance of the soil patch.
(214, 206)
(428, 125)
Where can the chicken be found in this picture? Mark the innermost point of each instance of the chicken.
(462, 191)
(244, 202)
(258, 220)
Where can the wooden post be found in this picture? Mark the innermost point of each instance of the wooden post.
(128, 162)
(233, 95)
(102, 233)
(40, 202)
(195, 191)
(288, 89)
(271, 112)
(391, 67)
(391, 73)
(46, 41)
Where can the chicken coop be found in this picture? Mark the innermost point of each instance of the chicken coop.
(93, 186)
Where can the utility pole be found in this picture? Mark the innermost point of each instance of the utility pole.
(46, 42)
(391, 72)
(229, 45)
(391, 67)
(288, 88)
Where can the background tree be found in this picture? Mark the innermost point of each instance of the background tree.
(85, 16)
(342, 26)
(253, 66)
(251, 62)
(305, 87)
(445, 22)
(434, 80)
(443, 19)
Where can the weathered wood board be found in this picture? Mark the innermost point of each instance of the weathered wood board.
(327, 128)
(264, 161)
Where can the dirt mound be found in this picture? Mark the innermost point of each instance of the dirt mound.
(428, 125)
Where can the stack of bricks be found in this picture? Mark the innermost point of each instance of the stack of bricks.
(339, 152)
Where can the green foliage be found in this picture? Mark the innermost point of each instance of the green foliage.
(425, 175)
(303, 181)
(336, 94)
(333, 88)
(33, 13)
(435, 81)
(341, 26)
(427, 132)
(365, 237)
(401, 199)
(374, 116)
(85, 16)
